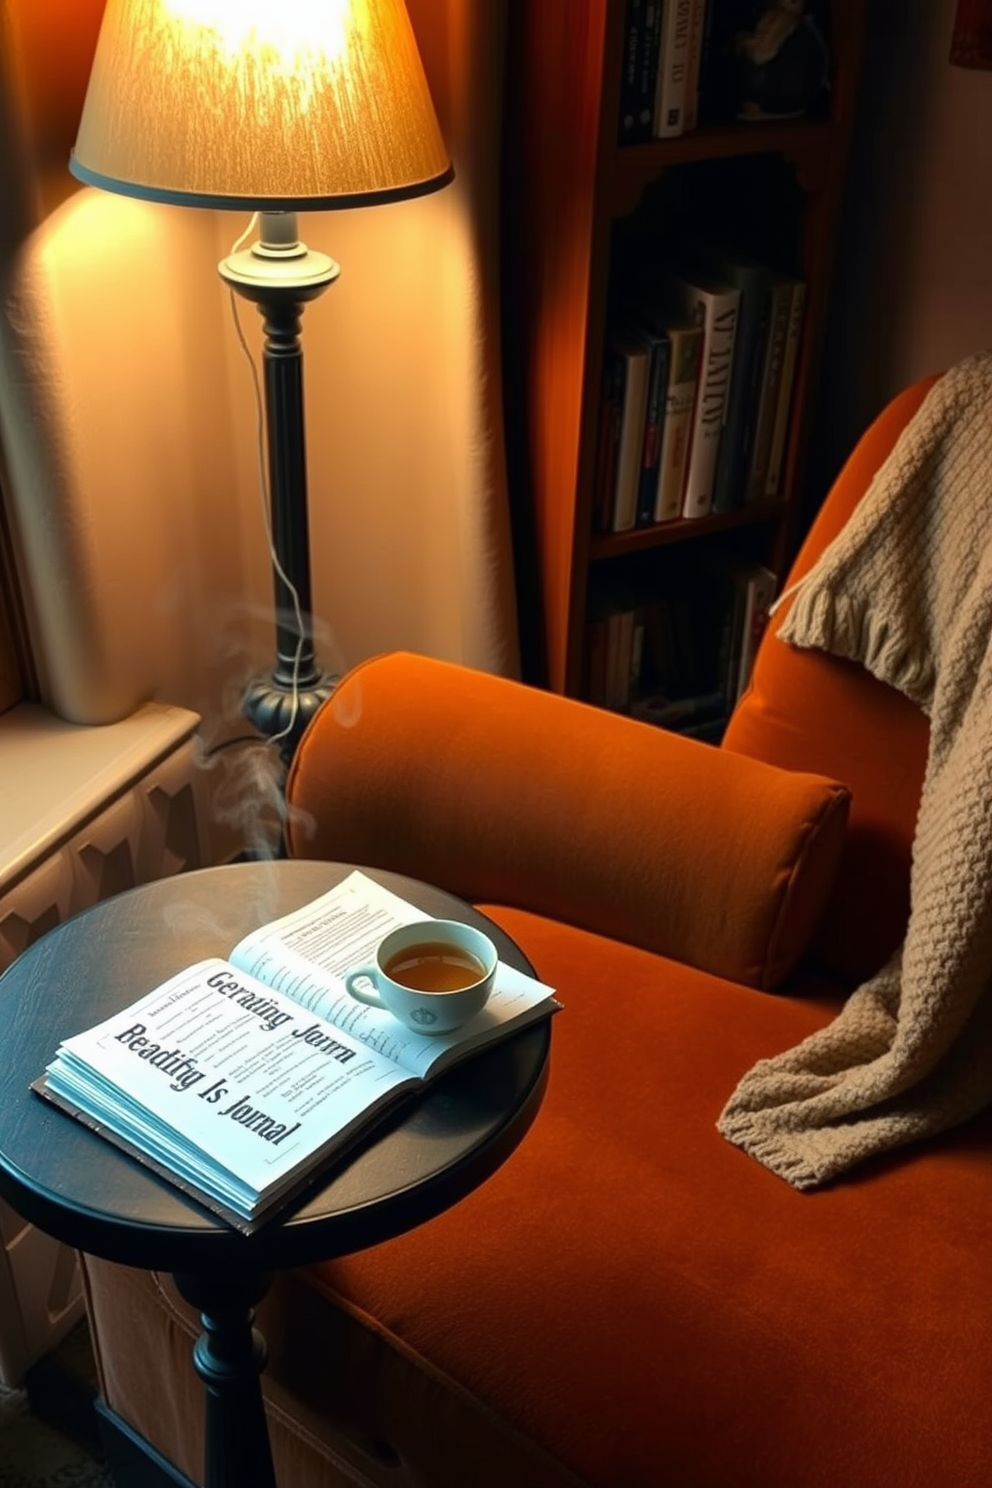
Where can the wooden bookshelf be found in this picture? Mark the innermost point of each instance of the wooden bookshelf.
(569, 187)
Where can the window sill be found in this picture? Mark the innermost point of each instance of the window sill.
(56, 776)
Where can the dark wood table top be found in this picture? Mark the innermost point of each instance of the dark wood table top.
(76, 1186)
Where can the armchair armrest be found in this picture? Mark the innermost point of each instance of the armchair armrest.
(505, 794)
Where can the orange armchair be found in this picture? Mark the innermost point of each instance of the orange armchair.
(632, 1300)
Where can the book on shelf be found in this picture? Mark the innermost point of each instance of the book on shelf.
(641, 36)
(695, 627)
(622, 656)
(614, 645)
(715, 82)
(678, 653)
(690, 109)
(634, 356)
(595, 658)
(779, 315)
(240, 1078)
(633, 25)
(686, 62)
(713, 305)
(783, 407)
(753, 279)
(652, 651)
(658, 342)
(659, 69)
(611, 621)
(759, 600)
(671, 69)
(753, 592)
(685, 342)
(673, 379)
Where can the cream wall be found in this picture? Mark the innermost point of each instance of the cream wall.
(129, 426)
(913, 292)
(118, 447)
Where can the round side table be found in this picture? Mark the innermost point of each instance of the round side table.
(82, 1190)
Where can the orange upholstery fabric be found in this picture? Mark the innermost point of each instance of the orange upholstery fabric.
(654, 1308)
(798, 713)
(630, 1301)
(719, 861)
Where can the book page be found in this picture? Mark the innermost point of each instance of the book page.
(224, 1080)
(306, 954)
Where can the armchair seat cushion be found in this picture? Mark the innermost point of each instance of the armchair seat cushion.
(630, 1300)
(651, 1307)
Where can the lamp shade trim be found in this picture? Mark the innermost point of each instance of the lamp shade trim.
(171, 197)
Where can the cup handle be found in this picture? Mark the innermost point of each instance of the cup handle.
(368, 995)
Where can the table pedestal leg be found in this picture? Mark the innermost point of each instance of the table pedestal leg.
(229, 1356)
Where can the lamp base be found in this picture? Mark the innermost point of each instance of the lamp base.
(280, 713)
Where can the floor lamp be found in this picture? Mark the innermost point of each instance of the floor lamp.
(274, 107)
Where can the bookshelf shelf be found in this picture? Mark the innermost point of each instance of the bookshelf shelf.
(603, 546)
(806, 143)
(573, 196)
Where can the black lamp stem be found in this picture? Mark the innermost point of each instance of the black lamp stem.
(279, 274)
(283, 365)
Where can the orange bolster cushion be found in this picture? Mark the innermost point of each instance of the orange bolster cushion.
(502, 793)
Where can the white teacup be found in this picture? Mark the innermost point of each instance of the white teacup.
(433, 976)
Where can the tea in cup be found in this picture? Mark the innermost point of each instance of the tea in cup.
(433, 976)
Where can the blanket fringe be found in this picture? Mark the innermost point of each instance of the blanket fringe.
(746, 1131)
(835, 622)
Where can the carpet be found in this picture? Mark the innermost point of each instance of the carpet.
(47, 1436)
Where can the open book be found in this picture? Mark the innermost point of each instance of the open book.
(238, 1078)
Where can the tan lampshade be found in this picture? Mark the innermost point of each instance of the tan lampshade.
(271, 104)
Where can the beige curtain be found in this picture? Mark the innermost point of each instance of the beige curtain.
(129, 426)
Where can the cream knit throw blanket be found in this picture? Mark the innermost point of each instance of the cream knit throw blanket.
(906, 589)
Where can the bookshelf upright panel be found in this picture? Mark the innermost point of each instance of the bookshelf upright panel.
(574, 196)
